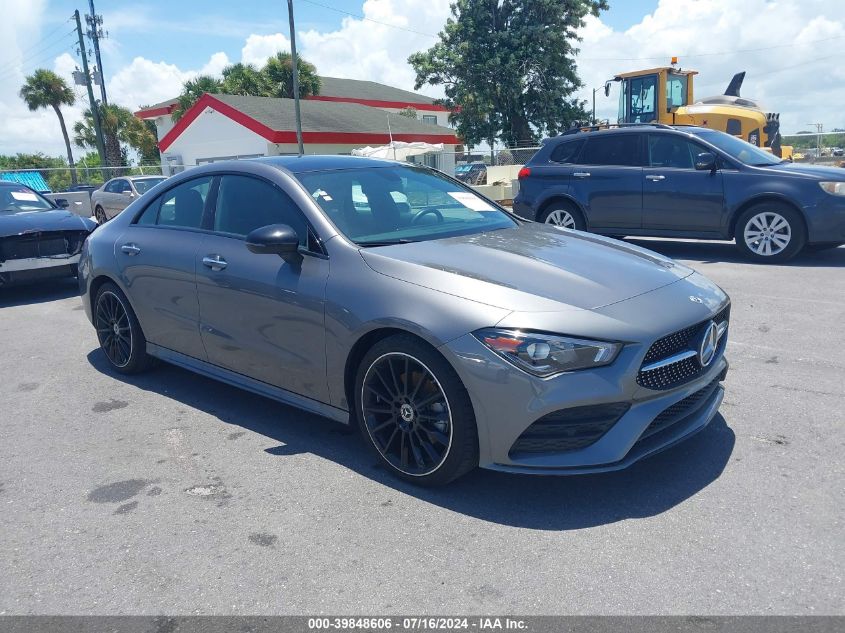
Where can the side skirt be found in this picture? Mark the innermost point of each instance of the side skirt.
(249, 384)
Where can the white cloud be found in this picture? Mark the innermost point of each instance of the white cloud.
(259, 47)
(368, 49)
(722, 37)
(802, 78)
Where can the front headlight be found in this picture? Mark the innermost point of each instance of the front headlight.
(833, 187)
(547, 354)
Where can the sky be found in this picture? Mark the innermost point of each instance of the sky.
(791, 49)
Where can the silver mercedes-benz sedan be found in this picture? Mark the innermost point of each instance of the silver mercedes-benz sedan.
(395, 298)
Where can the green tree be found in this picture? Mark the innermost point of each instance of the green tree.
(507, 67)
(121, 130)
(409, 112)
(43, 89)
(245, 79)
(279, 72)
(274, 79)
(192, 90)
(55, 169)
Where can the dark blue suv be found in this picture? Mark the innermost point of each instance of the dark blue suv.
(683, 182)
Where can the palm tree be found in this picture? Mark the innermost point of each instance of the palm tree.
(191, 92)
(120, 128)
(279, 70)
(44, 88)
(245, 79)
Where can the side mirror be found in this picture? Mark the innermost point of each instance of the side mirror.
(274, 239)
(706, 161)
(62, 203)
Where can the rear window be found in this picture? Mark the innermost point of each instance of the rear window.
(566, 152)
(611, 149)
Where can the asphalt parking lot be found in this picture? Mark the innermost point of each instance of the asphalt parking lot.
(170, 493)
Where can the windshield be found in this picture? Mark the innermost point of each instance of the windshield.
(739, 149)
(143, 186)
(16, 198)
(399, 204)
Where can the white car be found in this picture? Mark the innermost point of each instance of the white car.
(117, 194)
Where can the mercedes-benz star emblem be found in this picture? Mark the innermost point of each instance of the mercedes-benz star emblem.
(707, 348)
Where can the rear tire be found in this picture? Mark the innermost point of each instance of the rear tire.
(100, 215)
(564, 215)
(414, 413)
(770, 232)
(118, 331)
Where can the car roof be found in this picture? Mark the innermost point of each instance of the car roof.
(626, 129)
(298, 164)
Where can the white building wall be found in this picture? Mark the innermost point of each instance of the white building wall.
(213, 136)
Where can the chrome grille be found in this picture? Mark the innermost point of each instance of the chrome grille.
(685, 369)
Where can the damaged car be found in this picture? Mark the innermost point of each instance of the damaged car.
(39, 239)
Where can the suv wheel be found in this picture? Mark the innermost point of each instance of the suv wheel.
(563, 215)
(770, 232)
(415, 413)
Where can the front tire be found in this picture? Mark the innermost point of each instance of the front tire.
(563, 215)
(414, 412)
(770, 232)
(119, 332)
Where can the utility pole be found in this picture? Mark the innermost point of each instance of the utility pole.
(295, 63)
(819, 127)
(95, 32)
(95, 109)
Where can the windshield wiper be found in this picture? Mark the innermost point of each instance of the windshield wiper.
(400, 240)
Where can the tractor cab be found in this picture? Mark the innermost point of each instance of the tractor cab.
(653, 95)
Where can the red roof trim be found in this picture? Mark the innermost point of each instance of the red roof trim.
(288, 136)
(373, 103)
(151, 113)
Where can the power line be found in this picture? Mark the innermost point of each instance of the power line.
(11, 71)
(694, 55)
(26, 51)
(26, 59)
(363, 17)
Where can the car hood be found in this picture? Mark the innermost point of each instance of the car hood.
(18, 222)
(533, 267)
(811, 171)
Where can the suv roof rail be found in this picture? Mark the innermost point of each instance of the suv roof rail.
(575, 129)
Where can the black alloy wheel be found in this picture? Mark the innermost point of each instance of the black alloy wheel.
(113, 329)
(407, 414)
(414, 411)
(119, 332)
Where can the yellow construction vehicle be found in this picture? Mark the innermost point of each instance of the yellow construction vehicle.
(665, 95)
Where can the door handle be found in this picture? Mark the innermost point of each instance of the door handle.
(214, 262)
(655, 177)
(581, 174)
(130, 249)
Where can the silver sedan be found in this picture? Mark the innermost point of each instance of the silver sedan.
(118, 193)
(396, 299)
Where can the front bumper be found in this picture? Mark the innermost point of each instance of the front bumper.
(507, 401)
(34, 263)
(826, 220)
(30, 269)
